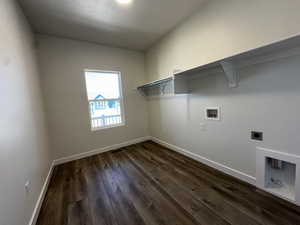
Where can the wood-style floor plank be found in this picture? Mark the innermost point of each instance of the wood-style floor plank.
(154, 202)
(178, 195)
(245, 193)
(201, 191)
(226, 203)
(148, 184)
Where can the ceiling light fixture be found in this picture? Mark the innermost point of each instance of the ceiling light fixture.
(124, 2)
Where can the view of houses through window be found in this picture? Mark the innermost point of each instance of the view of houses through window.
(105, 98)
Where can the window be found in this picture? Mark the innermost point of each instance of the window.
(104, 92)
(100, 105)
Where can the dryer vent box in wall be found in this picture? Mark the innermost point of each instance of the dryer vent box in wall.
(258, 136)
(212, 113)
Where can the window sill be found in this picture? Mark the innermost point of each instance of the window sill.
(107, 127)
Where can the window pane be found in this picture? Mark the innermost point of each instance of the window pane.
(104, 95)
(108, 114)
(102, 85)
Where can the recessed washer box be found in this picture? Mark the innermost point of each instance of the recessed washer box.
(278, 173)
(212, 113)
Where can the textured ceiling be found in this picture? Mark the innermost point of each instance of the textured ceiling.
(134, 26)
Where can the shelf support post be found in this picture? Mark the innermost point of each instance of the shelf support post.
(230, 73)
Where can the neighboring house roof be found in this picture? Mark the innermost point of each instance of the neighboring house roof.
(99, 97)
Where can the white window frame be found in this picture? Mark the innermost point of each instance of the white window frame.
(121, 99)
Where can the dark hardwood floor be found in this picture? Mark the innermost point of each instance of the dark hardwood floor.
(147, 184)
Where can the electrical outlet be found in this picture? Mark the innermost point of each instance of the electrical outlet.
(27, 186)
(202, 126)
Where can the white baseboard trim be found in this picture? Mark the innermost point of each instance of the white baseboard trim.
(235, 173)
(100, 150)
(41, 197)
(43, 192)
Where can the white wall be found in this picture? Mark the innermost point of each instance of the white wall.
(221, 29)
(266, 99)
(23, 140)
(62, 62)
